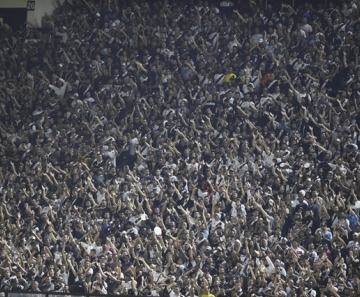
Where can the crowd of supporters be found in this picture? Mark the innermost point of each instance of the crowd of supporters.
(182, 149)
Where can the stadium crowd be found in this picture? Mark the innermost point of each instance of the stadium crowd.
(182, 149)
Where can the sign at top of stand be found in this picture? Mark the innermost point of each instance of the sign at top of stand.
(30, 5)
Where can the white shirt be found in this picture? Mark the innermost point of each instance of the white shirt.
(63, 276)
(133, 143)
(167, 111)
(214, 223)
(100, 197)
(302, 32)
(60, 92)
(356, 205)
(172, 294)
(246, 104)
(268, 159)
(89, 246)
(112, 155)
(307, 28)
(271, 268)
(157, 277)
(264, 99)
(231, 45)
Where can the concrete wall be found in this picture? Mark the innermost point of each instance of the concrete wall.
(33, 16)
(13, 3)
(42, 7)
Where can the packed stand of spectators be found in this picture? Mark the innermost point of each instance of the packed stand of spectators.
(176, 149)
